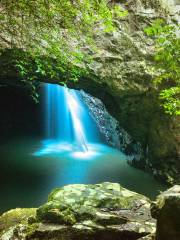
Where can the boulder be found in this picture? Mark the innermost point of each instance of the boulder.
(166, 210)
(77, 212)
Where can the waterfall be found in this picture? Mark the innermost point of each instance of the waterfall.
(73, 107)
(67, 120)
(57, 118)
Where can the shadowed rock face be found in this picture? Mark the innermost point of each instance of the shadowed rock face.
(167, 212)
(77, 212)
(109, 127)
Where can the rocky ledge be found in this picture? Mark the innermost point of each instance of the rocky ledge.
(103, 211)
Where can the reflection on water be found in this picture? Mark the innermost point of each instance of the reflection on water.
(31, 169)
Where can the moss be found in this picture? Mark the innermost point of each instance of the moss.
(56, 190)
(76, 203)
(53, 213)
(15, 216)
(31, 229)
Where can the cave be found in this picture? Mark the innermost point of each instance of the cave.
(89, 126)
(69, 136)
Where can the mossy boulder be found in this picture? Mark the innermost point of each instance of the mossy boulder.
(90, 210)
(75, 203)
(77, 212)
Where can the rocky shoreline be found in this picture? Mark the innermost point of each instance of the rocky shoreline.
(102, 211)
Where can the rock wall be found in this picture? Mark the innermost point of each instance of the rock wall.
(110, 128)
(166, 210)
(122, 73)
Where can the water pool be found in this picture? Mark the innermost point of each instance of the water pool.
(30, 169)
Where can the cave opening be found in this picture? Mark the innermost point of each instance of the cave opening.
(69, 137)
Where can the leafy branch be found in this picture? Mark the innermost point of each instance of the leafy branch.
(167, 58)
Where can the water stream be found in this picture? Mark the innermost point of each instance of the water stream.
(68, 124)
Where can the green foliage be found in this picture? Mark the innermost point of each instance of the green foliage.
(172, 100)
(36, 67)
(167, 57)
(52, 34)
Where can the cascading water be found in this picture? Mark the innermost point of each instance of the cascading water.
(73, 107)
(57, 119)
(68, 123)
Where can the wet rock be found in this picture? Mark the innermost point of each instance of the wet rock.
(110, 128)
(166, 210)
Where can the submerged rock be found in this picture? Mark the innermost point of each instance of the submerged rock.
(93, 212)
(167, 211)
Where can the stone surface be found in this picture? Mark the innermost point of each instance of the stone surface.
(15, 216)
(148, 237)
(122, 78)
(77, 212)
(110, 128)
(166, 210)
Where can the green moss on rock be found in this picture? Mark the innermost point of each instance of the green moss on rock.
(15, 216)
(78, 212)
(76, 203)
